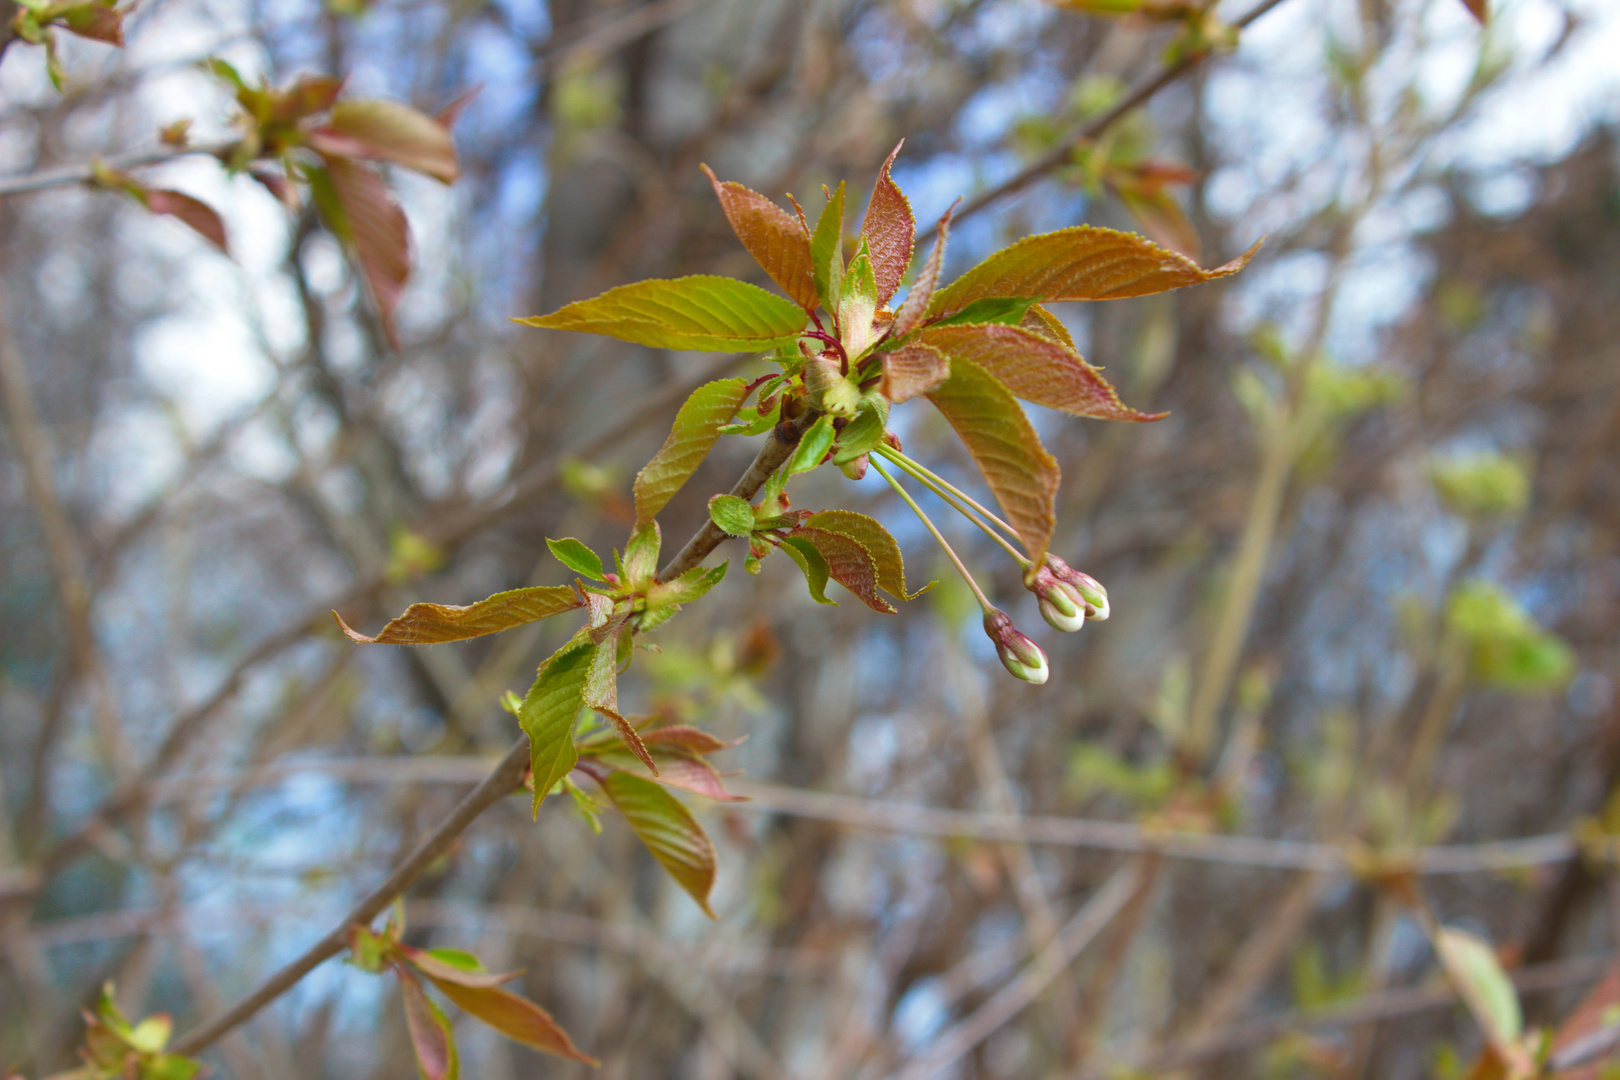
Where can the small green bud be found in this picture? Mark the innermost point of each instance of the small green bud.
(1022, 658)
(1091, 593)
(1061, 604)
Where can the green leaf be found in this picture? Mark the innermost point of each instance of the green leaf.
(549, 711)
(431, 624)
(602, 686)
(732, 515)
(871, 535)
(588, 807)
(827, 250)
(1034, 368)
(911, 371)
(577, 557)
(668, 830)
(431, 1038)
(641, 555)
(865, 431)
(812, 447)
(457, 958)
(666, 598)
(775, 238)
(809, 560)
(517, 1018)
(696, 430)
(1485, 988)
(1078, 263)
(452, 965)
(1022, 475)
(675, 769)
(890, 230)
(849, 563)
(712, 314)
(389, 131)
(1005, 310)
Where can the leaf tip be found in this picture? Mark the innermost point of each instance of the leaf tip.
(352, 634)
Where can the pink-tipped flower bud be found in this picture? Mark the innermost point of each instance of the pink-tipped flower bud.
(1061, 604)
(1092, 594)
(1022, 658)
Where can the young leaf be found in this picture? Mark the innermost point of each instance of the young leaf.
(450, 965)
(666, 598)
(602, 695)
(871, 535)
(813, 446)
(517, 1018)
(890, 230)
(98, 20)
(808, 559)
(389, 131)
(732, 515)
(357, 208)
(1023, 476)
(712, 314)
(431, 624)
(641, 555)
(1006, 310)
(827, 251)
(1485, 988)
(683, 737)
(195, 213)
(865, 431)
(775, 238)
(1079, 263)
(849, 564)
(1040, 321)
(1034, 368)
(916, 306)
(548, 713)
(668, 830)
(697, 429)
(675, 769)
(911, 371)
(577, 557)
(431, 1037)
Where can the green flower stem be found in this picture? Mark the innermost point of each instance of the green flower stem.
(984, 602)
(958, 501)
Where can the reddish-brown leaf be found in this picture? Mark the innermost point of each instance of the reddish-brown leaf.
(1479, 9)
(1023, 476)
(431, 1037)
(913, 370)
(310, 94)
(1034, 368)
(685, 737)
(440, 971)
(915, 308)
(430, 624)
(97, 20)
(675, 769)
(890, 230)
(669, 831)
(389, 131)
(776, 239)
(1040, 321)
(602, 689)
(193, 212)
(1162, 217)
(517, 1018)
(849, 563)
(360, 211)
(1079, 263)
(882, 547)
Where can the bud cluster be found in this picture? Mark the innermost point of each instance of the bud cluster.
(1067, 596)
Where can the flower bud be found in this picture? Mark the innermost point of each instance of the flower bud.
(1092, 594)
(1022, 658)
(854, 468)
(1061, 604)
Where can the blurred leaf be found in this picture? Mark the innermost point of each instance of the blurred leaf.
(1034, 368)
(1479, 9)
(517, 1018)
(712, 314)
(697, 428)
(429, 624)
(389, 131)
(916, 305)
(431, 1038)
(1506, 646)
(849, 563)
(827, 251)
(195, 213)
(548, 713)
(98, 20)
(809, 560)
(776, 239)
(577, 557)
(913, 370)
(1093, 768)
(683, 737)
(668, 830)
(1474, 970)
(451, 965)
(1079, 263)
(732, 515)
(355, 205)
(1023, 476)
(1482, 485)
(879, 545)
(890, 230)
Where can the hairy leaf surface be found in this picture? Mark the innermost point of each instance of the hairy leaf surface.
(577, 557)
(1035, 368)
(697, 428)
(668, 830)
(849, 563)
(913, 370)
(1023, 476)
(1040, 321)
(1078, 263)
(827, 251)
(431, 624)
(775, 238)
(916, 305)
(882, 547)
(890, 230)
(549, 711)
(712, 314)
(731, 515)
